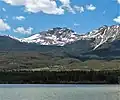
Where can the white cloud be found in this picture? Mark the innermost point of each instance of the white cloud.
(4, 26)
(117, 20)
(34, 6)
(118, 1)
(15, 2)
(46, 6)
(5, 19)
(65, 2)
(3, 9)
(22, 30)
(90, 7)
(49, 6)
(82, 9)
(66, 6)
(19, 18)
(79, 8)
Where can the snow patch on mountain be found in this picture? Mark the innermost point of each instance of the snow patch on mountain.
(105, 34)
(56, 36)
(62, 36)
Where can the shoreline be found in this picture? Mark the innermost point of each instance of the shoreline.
(57, 85)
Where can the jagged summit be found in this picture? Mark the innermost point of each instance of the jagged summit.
(62, 36)
(56, 36)
(105, 34)
(58, 31)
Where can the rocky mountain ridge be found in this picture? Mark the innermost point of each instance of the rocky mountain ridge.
(63, 36)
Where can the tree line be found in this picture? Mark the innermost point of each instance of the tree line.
(60, 77)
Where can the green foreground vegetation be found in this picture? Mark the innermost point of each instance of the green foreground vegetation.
(41, 61)
(39, 68)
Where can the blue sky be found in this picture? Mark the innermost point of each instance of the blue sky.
(21, 18)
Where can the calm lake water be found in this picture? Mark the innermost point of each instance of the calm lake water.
(59, 92)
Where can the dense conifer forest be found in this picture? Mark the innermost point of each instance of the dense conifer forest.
(60, 77)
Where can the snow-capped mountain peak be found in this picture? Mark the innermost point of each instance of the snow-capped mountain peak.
(105, 34)
(61, 36)
(56, 36)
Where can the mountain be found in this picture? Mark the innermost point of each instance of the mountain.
(102, 43)
(62, 36)
(56, 36)
(100, 47)
(63, 41)
(9, 43)
(105, 34)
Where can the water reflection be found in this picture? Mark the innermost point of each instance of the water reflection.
(84, 92)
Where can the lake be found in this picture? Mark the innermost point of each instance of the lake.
(59, 92)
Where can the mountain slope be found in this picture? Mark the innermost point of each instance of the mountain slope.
(62, 36)
(99, 49)
(64, 42)
(105, 34)
(8, 43)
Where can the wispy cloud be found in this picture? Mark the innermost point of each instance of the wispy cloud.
(66, 6)
(3, 9)
(90, 7)
(4, 26)
(76, 24)
(22, 30)
(79, 8)
(117, 19)
(19, 18)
